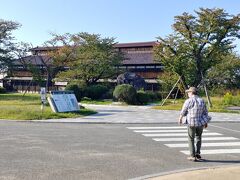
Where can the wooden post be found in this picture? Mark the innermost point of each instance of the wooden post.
(171, 91)
(206, 92)
(176, 95)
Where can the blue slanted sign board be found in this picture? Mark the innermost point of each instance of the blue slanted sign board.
(63, 101)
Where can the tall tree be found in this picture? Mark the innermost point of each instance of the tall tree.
(6, 43)
(29, 62)
(39, 65)
(225, 74)
(197, 43)
(86, 57)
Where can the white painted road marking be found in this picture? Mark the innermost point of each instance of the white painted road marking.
(206, 144)
(203, 139)
(178, 134)
(173, 127)
(161, 131)
(216, 151)
(169, 134)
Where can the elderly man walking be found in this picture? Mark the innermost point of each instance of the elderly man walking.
(195, 110)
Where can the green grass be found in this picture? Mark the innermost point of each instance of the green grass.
(18, 107)
(99, 102)
(218, 105)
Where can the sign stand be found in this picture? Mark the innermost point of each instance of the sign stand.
(43, 99)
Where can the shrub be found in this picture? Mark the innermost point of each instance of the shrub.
(154, 96)
(216, 91)
(76, 89)
(95, 91)
(108, 94)
(125, 93)
(2, 90)
(143, 97)
(229, 99)
(86, 99)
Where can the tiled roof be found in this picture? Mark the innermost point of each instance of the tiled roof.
(136, 44)
(139, 56)
(34, 60)
(118, 45)
(136, 58)
(44, 48)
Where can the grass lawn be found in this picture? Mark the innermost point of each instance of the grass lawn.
(99, 102)
(218, 106)
(18, 107)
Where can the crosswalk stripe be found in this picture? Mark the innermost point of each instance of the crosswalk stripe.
(173, 127)
(216, 151)
(171, 134)
(162, 131)
(203, 138)
(206, 144)
(178, 134)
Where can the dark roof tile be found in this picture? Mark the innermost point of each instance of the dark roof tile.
(118, 45)
(34, 60)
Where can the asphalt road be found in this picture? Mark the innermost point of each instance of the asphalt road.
(60, 151)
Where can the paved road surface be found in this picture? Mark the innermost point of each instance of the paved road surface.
(33, 150)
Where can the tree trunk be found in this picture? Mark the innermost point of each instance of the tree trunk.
(198, 74)
(47, 81)
(183, 80)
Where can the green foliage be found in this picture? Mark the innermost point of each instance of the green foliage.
(86, 99)
(6, 44)
(108, 94)
(229, 99)
(36, 74)
(28, 107)
(226, 74)
(42, 75)
(88, 56)
(218, 105)
(142, 97)
(216, 90)
(145, 97)
(154, 96)
(125, 93)
(78, 91)
(2, 90)
(167, 80)
(197, 43)
(95, 91)
(78, 88)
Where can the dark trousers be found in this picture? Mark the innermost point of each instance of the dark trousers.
(192, 132)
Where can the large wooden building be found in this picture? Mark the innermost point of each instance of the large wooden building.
(138, 59)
